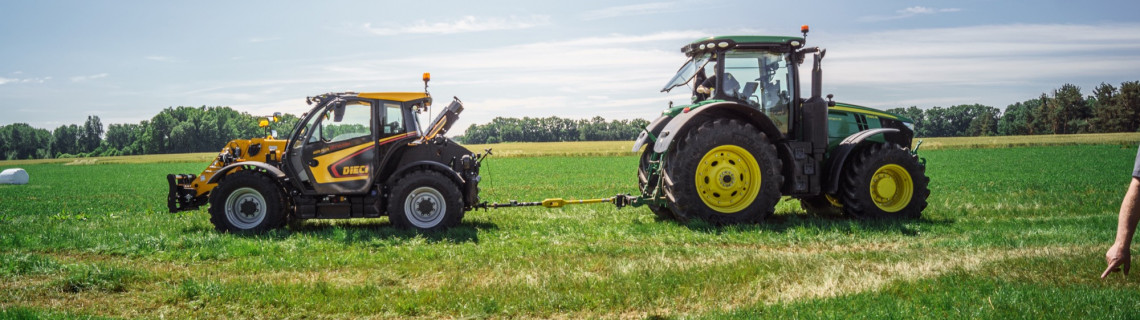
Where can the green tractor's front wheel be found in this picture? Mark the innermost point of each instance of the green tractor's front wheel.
(724, 171)
(885, 181)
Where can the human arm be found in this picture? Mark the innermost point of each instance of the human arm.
(1119, 256)
(706, 86)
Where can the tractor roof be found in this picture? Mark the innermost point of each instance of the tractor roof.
(394, 96)
(701, 46)
(751, 39)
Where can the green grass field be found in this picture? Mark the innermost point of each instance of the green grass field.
(1009, 233)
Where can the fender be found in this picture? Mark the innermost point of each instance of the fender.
(680, 123)
(843, 151)
(654, 127)
(261, 165)
(445, 170)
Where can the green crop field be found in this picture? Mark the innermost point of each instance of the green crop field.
(1010, 233)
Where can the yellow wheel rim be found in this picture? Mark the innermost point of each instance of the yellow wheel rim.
(728, 179)
(891, 188)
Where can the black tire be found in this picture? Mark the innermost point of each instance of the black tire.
(426, 201)
(734, 158)
(646, 184)
(819, 205)
(884, 181)
(247, 202)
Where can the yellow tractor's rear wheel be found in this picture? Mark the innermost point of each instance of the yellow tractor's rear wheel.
(885, 181)
(724, 171)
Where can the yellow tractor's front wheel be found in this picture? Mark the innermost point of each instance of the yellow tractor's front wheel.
(885, 181)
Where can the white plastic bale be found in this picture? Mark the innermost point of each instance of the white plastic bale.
(14, 176)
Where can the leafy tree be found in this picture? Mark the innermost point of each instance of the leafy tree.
(21, 141)
(65, 140)
(92, 135)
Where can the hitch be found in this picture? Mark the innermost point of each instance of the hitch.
(620, 200)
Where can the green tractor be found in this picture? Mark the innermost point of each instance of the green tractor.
(748, 138)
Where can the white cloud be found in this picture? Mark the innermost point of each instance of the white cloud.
(463, 25)
(160, 58)
(4, 80)
(88, 77)
(1001, 63)
(630, 10)
(261, 39)
(909, 12)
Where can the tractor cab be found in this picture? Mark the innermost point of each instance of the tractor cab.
(337, 145)
(757, 71)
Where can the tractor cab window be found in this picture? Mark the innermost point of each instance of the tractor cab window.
(687, 72)
(762, 80)
(393, 120)
(343, 121)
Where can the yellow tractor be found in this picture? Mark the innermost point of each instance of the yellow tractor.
(353, 155)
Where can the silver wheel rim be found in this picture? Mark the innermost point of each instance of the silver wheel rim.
(425, 207)
(245, 208)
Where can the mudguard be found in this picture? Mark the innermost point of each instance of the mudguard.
(262, 165)
(441, 168)
(842, 152)
(680, 123)
(654, 128)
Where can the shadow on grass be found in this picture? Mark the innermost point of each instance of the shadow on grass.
(823, 223)
(375, 230)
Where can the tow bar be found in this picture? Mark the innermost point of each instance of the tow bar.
(620, 200)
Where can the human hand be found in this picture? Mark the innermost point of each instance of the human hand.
(1119, 258)
(703, 90)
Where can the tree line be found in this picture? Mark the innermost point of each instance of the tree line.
(204, 129)
(1066, 110)
(173, 130)
(552, 129)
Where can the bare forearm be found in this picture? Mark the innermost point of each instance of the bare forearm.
(1129, 214)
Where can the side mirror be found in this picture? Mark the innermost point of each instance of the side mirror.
(338, 111)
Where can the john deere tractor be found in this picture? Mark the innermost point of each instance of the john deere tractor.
(352, 155)
(749, 137)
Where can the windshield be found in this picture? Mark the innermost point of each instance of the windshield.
(686, 72)
(762, 79)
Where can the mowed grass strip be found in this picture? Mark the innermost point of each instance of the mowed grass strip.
(1004, 226)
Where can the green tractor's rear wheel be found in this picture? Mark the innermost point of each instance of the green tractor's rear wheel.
(647, 182)
(885, 181)
(246, 202)
(724, 171)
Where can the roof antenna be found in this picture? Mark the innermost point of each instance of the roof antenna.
(427, 77)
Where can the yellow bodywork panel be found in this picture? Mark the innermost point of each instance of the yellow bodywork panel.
(394, 96)
(322, 175)
(268, 146)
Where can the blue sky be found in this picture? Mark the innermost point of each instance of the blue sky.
(61, 61)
